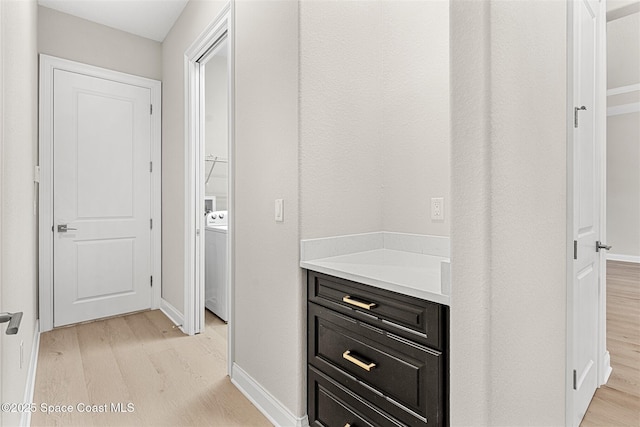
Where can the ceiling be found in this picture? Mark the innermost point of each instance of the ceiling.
(146, 18)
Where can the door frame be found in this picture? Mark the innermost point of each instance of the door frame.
(45, 221)
(603, 358)
(194, 188)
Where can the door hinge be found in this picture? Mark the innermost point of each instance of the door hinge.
(151, 281)
(150, 108)
(150, 166)
(151, 223)
(575, 115)
(574, 379)
(575, 249)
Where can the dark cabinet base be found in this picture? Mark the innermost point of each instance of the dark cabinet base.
(362, 371)
(332, 404)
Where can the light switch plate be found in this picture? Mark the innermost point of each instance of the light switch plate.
(437, 208)
(279, 207)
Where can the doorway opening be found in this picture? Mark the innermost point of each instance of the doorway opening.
(209, 180)
(214, 85)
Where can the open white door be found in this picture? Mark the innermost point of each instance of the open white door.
(101, 198)
(584, 328)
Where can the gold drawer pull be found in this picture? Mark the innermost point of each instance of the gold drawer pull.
(367, 367)
(365, 305)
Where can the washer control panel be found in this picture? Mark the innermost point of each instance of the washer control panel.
(217, 218)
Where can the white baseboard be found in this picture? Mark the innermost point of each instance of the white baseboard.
(606, 367)
(25, 420)
(270, 407)
(625, 258)
(172, 313)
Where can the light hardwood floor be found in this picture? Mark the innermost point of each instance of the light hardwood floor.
(170, 378)
(176, 380)
(618, 402)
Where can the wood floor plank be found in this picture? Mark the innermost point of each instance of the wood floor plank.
(60, 371)
(617, 403)
(611, 407)
(170, 378)
(99, 362)
(215, 325)
(622, 381)
(140, 377)
(147, 333)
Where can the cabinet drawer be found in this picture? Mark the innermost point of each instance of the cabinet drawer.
(406, 316)
(330, 404)
(402, 377)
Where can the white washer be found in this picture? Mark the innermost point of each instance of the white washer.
(215, 267)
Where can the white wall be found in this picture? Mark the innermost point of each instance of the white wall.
(194, 19)
(269, 301)
(623, 138)
(270, 326)
(416, 118)
(623, 45)
(216, 128)
(18, 244)
(374, 99)
(623, 185)
(508, 313)
(508, 227)
(528, 212)
(470, 325)
(341, 118)
(619, 4)
(77, 39)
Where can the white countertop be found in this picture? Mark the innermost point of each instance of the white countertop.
(422, 275)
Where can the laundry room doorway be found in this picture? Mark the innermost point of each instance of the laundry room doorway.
(215, 138)
(209, 181)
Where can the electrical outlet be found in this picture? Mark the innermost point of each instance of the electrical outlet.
(437, 208)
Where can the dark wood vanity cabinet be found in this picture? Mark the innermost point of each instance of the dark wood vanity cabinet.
(375, 357)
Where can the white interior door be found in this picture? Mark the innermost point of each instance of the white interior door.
(586, 209)
(2, 356)
(101, 193)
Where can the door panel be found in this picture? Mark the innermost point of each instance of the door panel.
(102, 183)
(105, 127)
(586, 210)
(102, 279)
